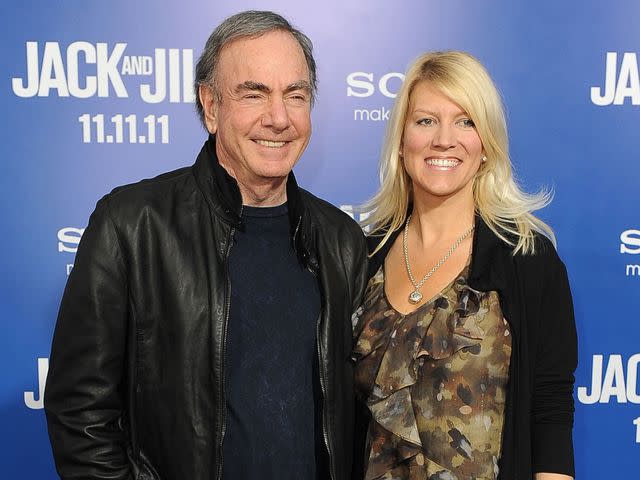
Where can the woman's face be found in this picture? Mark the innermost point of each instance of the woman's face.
(441, 148)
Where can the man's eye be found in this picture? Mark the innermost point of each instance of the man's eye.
(299, 97)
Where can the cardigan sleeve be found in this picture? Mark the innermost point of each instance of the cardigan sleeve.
(555, 363)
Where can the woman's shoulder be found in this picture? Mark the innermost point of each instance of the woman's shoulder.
(543, 264)
(495, 254)
(500, 240)
(543, 248)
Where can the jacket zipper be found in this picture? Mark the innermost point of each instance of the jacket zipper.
(227, 308)
(325, 430)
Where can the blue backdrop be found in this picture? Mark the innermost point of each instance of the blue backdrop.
(96, 94)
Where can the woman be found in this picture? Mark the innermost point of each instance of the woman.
(465, 345)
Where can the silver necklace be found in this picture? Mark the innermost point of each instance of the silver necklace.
(416, 296)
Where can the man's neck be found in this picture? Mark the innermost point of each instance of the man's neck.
(258, 191)
(267, 195)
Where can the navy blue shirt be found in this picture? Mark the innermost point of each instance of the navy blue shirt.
(271, 349)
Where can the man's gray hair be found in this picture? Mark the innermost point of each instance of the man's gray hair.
(252, 24)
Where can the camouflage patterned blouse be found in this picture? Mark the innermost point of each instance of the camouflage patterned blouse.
(434, 381)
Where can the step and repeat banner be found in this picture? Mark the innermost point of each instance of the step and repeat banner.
(97, 94)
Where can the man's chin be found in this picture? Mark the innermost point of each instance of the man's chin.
(270, 168)
(274, 175)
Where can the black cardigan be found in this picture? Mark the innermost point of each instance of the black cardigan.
(536, 301)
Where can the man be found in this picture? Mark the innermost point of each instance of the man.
(205, 329)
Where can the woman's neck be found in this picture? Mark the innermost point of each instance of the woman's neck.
(436, 219)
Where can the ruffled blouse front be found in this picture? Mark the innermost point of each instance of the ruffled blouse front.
(434, 381)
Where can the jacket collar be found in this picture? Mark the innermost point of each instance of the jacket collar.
(223, 196)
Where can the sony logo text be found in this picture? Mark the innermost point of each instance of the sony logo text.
(84, 70)
(365, 85)
(68, 241)
(630, 245)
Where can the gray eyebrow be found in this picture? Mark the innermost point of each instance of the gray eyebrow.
(250, 85)
(301, 85)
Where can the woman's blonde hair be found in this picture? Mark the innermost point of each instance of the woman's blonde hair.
(498, 199)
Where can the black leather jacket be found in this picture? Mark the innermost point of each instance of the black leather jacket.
(136, 380)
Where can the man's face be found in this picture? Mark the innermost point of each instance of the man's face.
(263, 119)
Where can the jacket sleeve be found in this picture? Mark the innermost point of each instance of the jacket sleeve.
(83, 394)
(361, 273)
(556, 361)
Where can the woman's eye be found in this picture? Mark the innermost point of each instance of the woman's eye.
(425, 121)
(467, 122)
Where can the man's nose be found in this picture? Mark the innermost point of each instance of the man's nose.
(276, 115)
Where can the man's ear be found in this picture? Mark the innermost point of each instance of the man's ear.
(210, 107)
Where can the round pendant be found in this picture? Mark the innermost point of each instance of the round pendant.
(415, 297)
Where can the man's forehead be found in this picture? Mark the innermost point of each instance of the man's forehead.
(266, 45)
(273, 52)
